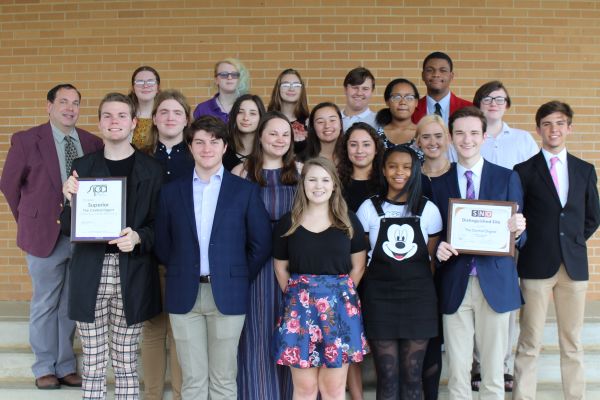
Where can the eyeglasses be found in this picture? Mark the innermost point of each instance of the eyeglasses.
(147, 82)
(487, 100)
(395, 98)
(290, 85)
(225, 75)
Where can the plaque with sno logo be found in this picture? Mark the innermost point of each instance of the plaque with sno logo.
(481, 227)
(98, 209)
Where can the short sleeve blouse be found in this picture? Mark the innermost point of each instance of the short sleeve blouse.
(324, 253)
(431, 220)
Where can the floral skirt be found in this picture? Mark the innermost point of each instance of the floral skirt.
(321, 323)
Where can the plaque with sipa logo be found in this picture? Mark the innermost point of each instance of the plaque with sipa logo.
(98, 209)
(481, 227)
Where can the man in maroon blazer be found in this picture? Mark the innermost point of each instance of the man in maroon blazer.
(37, 164)
(437, 75)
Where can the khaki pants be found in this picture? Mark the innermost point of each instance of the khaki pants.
(207, 344)
(569, 302)
(475, 321)
(154, 354)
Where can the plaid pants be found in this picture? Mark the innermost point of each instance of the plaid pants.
(123, 341)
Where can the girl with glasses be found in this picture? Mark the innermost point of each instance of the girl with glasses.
(394, 122)
(503, 145)
(232, 80)
(289, 97)
(145, 85)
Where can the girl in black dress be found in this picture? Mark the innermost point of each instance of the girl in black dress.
(359, 156)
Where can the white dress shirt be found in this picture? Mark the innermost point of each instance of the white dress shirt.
(510, 147)
(476, 178)
(562, 172)
(367, 116)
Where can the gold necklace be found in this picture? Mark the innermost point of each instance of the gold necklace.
(437, 172)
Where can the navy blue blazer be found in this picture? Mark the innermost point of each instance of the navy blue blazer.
(240, 244)
(497, 275)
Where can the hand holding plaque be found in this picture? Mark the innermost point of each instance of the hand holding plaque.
(97, 207)
(483, 227)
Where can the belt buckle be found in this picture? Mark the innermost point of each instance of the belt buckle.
(204, 278)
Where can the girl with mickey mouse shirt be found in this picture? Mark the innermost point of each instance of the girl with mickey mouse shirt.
(399, 299)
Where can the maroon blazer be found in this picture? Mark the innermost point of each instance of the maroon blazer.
(456, 103)
(32, 186)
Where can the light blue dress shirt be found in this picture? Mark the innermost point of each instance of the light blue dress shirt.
(444, 103)
(59, 142)
(206, 195)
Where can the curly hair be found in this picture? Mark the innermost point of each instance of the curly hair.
(345, 167)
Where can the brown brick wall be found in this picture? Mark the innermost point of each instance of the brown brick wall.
(541, 49)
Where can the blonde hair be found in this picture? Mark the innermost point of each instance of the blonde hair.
(243, 85)
(169, 94)
(338, 210)
(429, 119)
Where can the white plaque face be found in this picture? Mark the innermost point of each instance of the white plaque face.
(481, 226)
(98, 209)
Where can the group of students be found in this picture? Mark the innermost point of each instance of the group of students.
(265, 221)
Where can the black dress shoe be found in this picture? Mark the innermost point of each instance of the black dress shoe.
(72, 380)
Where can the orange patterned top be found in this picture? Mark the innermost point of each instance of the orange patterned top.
(141, 133)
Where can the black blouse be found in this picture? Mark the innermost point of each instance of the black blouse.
(324, 253)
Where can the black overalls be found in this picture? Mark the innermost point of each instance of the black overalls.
(398, 298)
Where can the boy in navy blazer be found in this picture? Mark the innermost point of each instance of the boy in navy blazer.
(562, 210)
(477, 292)
(213, 234)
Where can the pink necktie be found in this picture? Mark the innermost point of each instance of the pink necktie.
(553, 173)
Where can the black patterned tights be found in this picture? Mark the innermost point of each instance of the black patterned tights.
(398, 364)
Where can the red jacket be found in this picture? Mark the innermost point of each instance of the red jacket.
(32, 186)
(456, 103)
